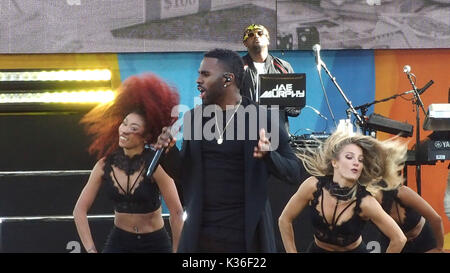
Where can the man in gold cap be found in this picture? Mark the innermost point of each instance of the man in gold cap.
(258, 61)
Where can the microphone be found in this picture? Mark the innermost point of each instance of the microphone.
(154, 163)
(155, 160)
(316, 49)
(407, 69)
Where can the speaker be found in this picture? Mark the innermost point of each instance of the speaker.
(285, 42)
(307, 37)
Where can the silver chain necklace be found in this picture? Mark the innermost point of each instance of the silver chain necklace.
(220, 139)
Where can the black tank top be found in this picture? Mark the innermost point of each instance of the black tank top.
(348, 231)
(142, 194)
(412, 217)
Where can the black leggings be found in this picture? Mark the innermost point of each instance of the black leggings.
(423, 242)
(121, 241)
(314, 248)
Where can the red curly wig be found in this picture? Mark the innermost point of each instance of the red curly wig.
(144, 94)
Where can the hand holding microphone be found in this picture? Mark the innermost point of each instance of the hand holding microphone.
(166, 140)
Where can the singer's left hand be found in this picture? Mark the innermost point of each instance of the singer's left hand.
(263, 145)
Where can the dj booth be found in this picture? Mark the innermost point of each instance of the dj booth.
(283, 90)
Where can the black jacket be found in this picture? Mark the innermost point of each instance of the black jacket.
(185, 166)
(273, 65)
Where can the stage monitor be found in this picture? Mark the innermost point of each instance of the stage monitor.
(284, 90)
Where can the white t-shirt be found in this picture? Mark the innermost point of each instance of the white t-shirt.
(259, 70)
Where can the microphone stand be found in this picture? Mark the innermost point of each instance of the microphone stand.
(349, 103)
(365, 106)
(418, 102)
(420, 91)
(416, 95)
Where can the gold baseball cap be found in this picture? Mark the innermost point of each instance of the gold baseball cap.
(252, 29)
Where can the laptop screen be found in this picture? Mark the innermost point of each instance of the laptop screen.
(283, 89)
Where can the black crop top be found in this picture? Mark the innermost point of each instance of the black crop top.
(142, 194)
(345, 233)
(412, 217)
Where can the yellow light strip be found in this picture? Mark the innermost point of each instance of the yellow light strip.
(58, 97)
(59, 75)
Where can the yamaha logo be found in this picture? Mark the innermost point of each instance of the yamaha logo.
(441, 144)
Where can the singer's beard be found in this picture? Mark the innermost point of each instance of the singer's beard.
(257, 48)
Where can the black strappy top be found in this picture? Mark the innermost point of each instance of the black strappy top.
(412, 217)
(141, 194)
(345, 233)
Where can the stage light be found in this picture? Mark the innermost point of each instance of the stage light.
(58, 97)
(54, 90)
(57, 75)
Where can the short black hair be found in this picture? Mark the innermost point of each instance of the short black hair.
(231, 60)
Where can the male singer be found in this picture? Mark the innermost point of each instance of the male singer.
(224, 177)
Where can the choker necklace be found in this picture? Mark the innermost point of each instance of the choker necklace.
(220, 139)
(127, 164)
(341, 193)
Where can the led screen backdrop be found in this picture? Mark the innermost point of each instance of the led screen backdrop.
(82, 26)
(68, 26)
(337, 24)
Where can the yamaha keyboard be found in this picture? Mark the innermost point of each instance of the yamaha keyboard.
(435, 148)
(438, 117)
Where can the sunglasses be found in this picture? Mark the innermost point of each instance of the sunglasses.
(259, 32)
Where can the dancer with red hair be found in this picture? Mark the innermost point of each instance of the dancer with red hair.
(123, 131)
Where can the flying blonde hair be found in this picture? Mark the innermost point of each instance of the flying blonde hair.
(383, 160)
